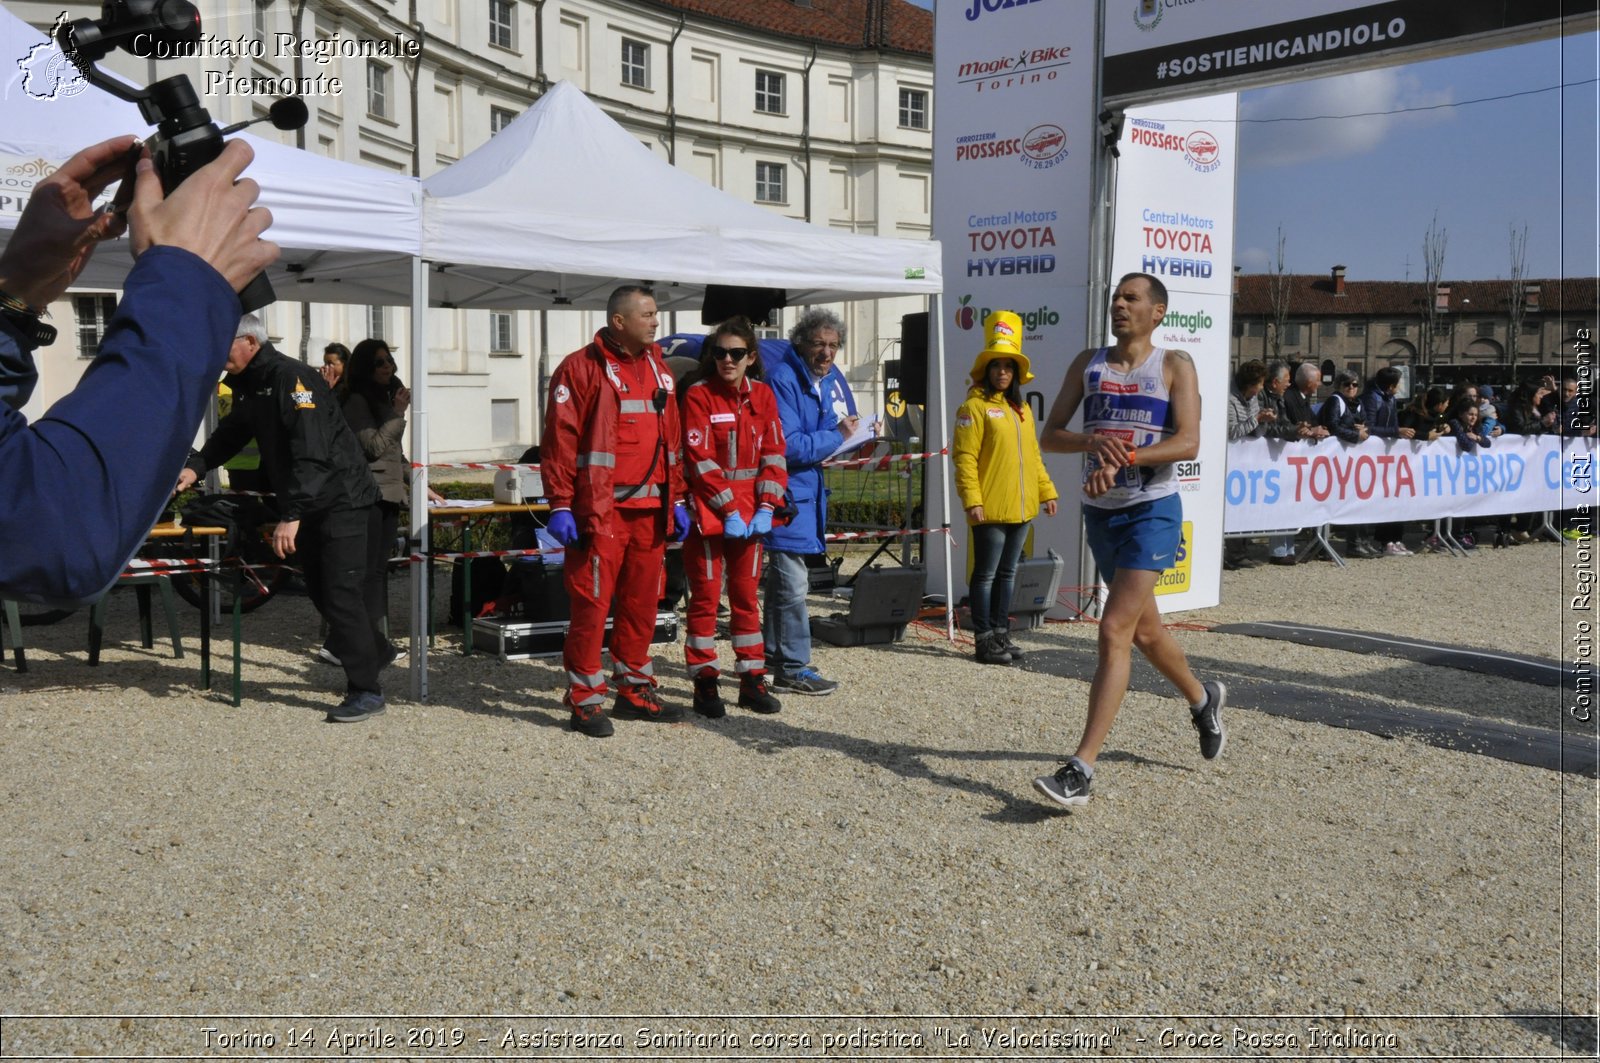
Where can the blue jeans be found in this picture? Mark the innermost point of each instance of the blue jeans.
(996, 549)
(785, 621)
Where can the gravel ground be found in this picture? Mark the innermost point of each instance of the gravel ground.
(875, 861)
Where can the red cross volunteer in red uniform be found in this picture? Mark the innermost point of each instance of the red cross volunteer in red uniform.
(734, 455)
(610, 460)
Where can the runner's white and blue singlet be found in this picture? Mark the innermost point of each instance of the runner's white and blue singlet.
(1135, 407)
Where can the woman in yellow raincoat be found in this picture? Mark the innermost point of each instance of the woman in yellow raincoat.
(1001, 479)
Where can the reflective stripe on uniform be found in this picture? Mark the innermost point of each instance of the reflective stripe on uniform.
(744, 667)
(623, 674)
(742, 474)
(634, 491)
(769, 487)
(721, 498)
(752, 639)
(701, 642)
(600, 459)
(775, 460)
(706, 466)
(634, 406)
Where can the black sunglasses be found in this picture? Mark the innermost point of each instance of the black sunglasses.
(734, 353)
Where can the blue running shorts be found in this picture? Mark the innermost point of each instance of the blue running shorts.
(1145, 535)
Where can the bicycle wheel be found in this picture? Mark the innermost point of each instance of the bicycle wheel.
(263, 576)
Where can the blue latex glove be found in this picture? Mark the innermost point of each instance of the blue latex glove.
(680, 522)
(734, 527)
(563, 529)
(761, 523)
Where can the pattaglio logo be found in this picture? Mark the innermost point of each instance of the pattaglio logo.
(966, 316)
(1201, 151)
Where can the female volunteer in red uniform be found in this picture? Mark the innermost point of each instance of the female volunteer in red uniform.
(733, 460)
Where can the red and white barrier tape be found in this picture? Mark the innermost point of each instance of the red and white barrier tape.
(493, 465)
(893, 533)
(883, 463)
(162, 565)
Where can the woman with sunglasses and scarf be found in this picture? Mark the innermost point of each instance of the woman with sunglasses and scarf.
(733, 455)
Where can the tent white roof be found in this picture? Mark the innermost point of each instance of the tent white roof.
(555, 210)
(563, 203)
(336, 214)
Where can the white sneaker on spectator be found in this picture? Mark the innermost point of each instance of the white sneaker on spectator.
(1395, 550)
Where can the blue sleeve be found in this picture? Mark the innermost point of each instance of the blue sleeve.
(1371, 406)
(84, 484)
(804, 444)
(18, 374)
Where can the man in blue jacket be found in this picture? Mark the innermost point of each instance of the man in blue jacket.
(84, 484)
(813, 431)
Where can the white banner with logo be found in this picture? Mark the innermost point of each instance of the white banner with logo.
(1174, 221)
(1013, 183)
(1276, 485)
(1161, 48)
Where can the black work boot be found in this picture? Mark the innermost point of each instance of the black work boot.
(707, 701)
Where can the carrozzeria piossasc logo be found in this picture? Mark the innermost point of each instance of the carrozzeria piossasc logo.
(1043, 146)
(47, 72)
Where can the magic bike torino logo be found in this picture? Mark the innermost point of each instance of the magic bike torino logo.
(48, 73)
(1029, 66)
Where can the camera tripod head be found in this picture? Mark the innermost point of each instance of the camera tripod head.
(186, 138)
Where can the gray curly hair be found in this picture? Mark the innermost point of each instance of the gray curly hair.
(813, 321)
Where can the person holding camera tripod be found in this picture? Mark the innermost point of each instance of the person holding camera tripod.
(612, 472)
(85, 482)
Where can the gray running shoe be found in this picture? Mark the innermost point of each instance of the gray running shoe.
(1208, 719)
(1068, 787)
(357, 705)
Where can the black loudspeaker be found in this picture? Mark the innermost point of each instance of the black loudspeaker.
(724, 301)
(912, 372)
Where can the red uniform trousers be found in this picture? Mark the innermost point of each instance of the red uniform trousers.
(626, 559)
(703, 557)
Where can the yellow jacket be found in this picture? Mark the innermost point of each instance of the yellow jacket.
(997, 460)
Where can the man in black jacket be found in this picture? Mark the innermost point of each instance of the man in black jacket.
(327, 500)
(1299, 399)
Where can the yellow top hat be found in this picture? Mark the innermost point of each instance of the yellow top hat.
(1002, 338)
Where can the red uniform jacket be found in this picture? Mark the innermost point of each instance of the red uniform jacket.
(733, 449)
(599, 440)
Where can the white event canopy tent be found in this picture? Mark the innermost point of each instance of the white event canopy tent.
(552, 212)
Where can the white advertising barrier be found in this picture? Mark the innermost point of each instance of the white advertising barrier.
(1174, 220)
(1013, 167)
(1275, 485)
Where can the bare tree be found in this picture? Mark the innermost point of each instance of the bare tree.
(1278, 294)
(1433, 314)
(1516, 294)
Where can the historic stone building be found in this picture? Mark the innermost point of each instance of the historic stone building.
(818, 109)
(1365, 325)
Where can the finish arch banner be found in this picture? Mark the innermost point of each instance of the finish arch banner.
(1273, 485)
(1174, 220)
(1162, 48)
